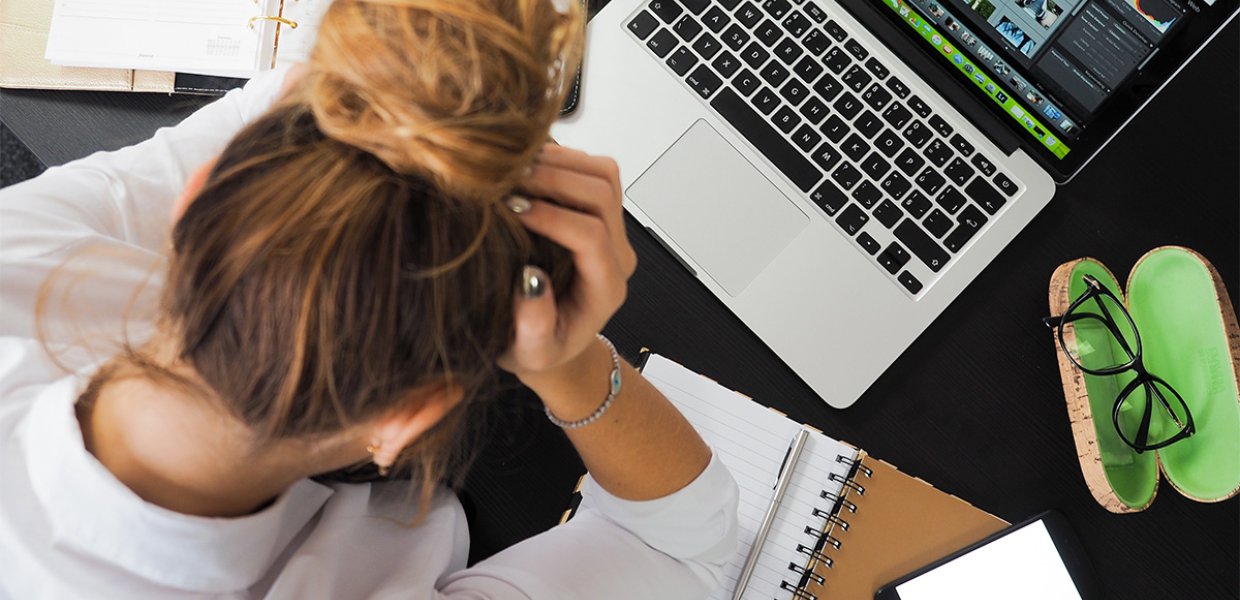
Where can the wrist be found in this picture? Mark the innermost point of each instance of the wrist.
(575, 389)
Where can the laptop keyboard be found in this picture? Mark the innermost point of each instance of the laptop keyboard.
(873, 156)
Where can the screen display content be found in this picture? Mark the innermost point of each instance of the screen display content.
(1050, 65)
(1024, 565)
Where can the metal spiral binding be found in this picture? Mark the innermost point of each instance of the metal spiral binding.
(823, 539)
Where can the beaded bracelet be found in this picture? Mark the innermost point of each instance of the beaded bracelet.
(613, 390)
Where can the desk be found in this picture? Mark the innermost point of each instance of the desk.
(974, 406)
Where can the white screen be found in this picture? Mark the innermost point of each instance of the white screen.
(1023, 565)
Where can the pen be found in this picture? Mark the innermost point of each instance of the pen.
(781, 486)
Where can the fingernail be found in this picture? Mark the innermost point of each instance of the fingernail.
(533, 282)
(518, 204)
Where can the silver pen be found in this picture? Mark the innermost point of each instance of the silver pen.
(781, 486)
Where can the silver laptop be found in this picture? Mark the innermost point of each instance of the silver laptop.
(838, 172)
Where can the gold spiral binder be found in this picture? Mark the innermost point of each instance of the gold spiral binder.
(280, 21)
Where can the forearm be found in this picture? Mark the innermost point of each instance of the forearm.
(639, 449)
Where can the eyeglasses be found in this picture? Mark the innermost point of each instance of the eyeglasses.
(1106, 346)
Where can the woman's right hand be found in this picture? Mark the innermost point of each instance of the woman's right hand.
(583, 214)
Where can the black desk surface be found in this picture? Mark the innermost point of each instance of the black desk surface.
(974, 406)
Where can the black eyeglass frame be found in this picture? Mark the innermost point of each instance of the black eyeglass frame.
(1095, 290)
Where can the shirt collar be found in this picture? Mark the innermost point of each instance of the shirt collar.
(92, 512)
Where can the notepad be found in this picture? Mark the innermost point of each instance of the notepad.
(848, 523)
(231, 38)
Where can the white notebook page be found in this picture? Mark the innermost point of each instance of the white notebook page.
(752, 441)
(210, 37)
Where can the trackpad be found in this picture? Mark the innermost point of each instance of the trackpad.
(729, 218)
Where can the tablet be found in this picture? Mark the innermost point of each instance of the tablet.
(1038, 559)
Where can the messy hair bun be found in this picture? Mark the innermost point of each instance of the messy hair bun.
(460, 92)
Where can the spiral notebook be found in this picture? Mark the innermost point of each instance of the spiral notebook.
(230, 38)
(848, 523)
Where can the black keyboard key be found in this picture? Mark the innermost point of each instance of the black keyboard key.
(837, 60)
(786, 119)
(754, 128)
(848, 105)
(856, 78)
(938, 153)
(768, 33)
(755, 55)
(816, 42)
(814, 110)
(662, 43)
(916, 204)
(937, 223)
(888, 214)
(868, 124)
(897, 115)
(878, 69)
(643, 25)
(958, 171)
(852, 219)
(909, 282)
(829, 198)
(789, 51)
(940, 126)
(687, 28)
(893, 258)
(855, 147)
(806, 138)
(735, 37)
(985, 195)
(777, 8)
(869, 244)
(746, 82)
(794, 92)
(729, 4)
(774, 73)
(919, 106)
(923, 246)
(834, 30)
(950, 199)
(896, 185)
(835, 129)
(667, 10)
(681, 61)
(1005, 185)
(876, 96)
(828, 87)
(968, 224)
(856, 49)
(726, 64)
(748, 15)
(897, 87)
(846, 175)
(807, 69)
(983, 164)
(707, 46)
(875, 166)
(962, 144)
(909, 162)
(765, 101)
(826, 156)
(867, 194)
(796, 24)
(704, 81)
(696, 6)
(815, 13)
(917, 134)
(930, 181)
(716, 19)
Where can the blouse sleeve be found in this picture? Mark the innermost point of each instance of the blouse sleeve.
(114, 206)
(672, 547)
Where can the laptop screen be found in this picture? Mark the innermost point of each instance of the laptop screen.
(1065, 73)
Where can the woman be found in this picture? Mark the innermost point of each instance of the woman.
(342, 279)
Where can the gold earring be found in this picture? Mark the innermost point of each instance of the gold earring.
(373, 448)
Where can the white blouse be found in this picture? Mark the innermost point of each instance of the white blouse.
(70, 529)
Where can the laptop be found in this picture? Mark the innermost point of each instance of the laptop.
(836, 172)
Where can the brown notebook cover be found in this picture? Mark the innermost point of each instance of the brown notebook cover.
(900, 524)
